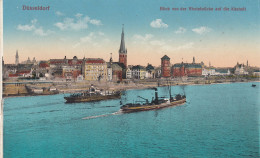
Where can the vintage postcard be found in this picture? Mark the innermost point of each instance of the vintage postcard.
(121, 78)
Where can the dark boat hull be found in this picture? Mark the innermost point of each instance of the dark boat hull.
(91, 98)
(153, 107)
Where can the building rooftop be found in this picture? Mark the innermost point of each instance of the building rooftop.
(165, 57)
(149, 67)
(95, 60)
(187, 65)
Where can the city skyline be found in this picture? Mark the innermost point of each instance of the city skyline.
(221, 38)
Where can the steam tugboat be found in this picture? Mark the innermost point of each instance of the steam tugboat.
(92, 95)
(156, 103)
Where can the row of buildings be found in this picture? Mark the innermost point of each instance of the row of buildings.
(97, 69)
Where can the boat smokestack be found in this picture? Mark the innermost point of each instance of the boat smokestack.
(156, 95)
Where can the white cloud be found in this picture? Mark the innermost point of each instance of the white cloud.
(101, 33)
(34, 21)
(185, 46)
(95, 22)
(33, 28)
(180, 30)
(92, 39)
(146, 37)
(60, 25)
(58, 13)
(77, 23)
(41, 32)
(78, 15)
(150, 43)
(202, 30)
(25, 27)
(157, 43)
(158, 23)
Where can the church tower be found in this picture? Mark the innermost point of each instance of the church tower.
(16, 58)
(123, 50)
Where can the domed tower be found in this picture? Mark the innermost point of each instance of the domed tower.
(123, 50)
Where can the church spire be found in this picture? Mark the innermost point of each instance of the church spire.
(110, 60)
(122, 45)
(16, 58)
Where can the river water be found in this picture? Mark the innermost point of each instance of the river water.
(220, 120)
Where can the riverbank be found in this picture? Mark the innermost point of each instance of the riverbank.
(18, 90)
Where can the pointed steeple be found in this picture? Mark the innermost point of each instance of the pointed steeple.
(122, 45)
(16, 58)
(110, 60)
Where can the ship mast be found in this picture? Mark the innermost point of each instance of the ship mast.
(169, 87)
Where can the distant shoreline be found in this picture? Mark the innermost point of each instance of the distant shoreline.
(124, 87)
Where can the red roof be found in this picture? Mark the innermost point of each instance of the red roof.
(23, 72)
(57, 61)
(13, 75)
(79, 62)
(44, 65)
(95, 61)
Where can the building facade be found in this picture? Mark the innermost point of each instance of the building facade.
(240, 69)
(166, 66)
(187, 69)
(94, 69)
(150, 71)
(128, 73)
(138, 72)
(207, 71)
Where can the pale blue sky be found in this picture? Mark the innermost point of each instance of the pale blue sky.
(87, 27)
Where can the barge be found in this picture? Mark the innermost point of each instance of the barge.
(154, 104)
(92, 95)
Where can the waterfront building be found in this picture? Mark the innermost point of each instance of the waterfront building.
(9, 70)
(240, 69)
(128, 73)
(43, 69)
(208, 71)
(143, 73)
(138, 72)
(66, 68)
(166, 66)
(94, 69)
(73, 69)
(67, 72)
(25, 70)
(222, 72)
(109, 72)
(187, 69)
(117, 71)
(158, 71)
(256, 73)
(109, 69)
(56, 67)
(150, 71)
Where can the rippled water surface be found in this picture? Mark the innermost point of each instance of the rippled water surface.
(219, 120)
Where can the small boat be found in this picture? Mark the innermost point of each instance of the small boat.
(253, 85)
(92, 95)
(154, 104)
